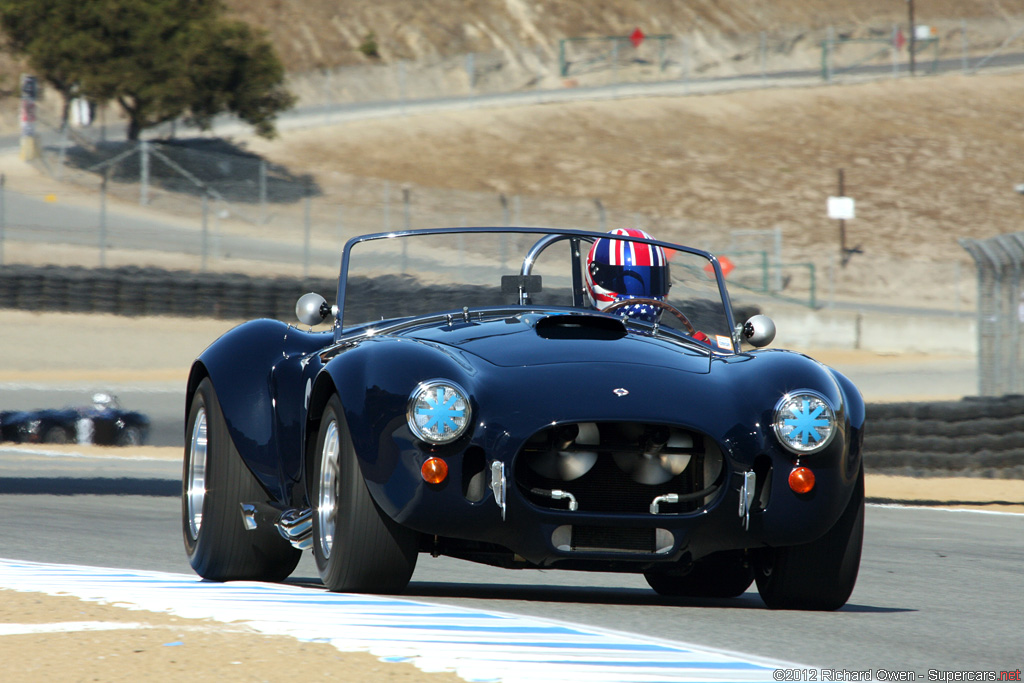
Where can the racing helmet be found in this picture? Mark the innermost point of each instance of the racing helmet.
(618, 270)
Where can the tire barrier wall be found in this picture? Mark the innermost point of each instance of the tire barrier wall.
(979, 436)
(133, 291)
(982, 436)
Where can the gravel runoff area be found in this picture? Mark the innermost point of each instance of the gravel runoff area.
(140, 645)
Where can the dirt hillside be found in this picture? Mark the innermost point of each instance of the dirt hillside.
(312, 34)
(928, 161)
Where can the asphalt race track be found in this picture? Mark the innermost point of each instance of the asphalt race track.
(938, 590)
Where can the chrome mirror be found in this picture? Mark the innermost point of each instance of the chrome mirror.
(759, 330)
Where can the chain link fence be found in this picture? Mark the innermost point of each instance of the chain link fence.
(1000, 265)
(207, 205)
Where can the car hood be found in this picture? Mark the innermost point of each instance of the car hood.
(542, 339)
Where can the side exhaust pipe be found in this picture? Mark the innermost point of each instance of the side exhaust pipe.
(295, 526)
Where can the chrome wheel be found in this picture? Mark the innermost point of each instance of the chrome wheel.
(196, 492)
(327, 500)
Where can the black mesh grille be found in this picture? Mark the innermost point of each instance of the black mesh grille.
(613, 539)
(606, 488)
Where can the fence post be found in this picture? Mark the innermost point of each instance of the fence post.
(307, 223)
(505, 220)
(401, 85)
(103, 217)
(686, 66)
(341, 226)
(408, 218)
(814, 288)
(263, 190)
(205, 247)
(64, 134)
(826, 54)
(777, 257)
(963, 45)
(602, 218)
(407, 207)
(144, 173)
(615, 60)
(764, 55)
(3, 213)
(895, 50)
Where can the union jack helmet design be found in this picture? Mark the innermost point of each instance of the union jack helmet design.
(619, 270)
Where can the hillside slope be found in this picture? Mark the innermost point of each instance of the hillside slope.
(313, 34)
(929, 160)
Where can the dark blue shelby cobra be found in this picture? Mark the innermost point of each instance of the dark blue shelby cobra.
(104, 423)
(525, 398)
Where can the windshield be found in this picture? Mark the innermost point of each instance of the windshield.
(651, 286)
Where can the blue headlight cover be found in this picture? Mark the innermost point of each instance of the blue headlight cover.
(804, 422)
(439, 411)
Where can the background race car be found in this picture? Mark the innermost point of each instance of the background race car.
(103, 423)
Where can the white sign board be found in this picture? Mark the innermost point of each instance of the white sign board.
(841, 208)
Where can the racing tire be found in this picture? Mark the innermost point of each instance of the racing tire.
(725, 574)
(357, 547)
(130, 436)
(819, 575)
(57, 435)
(215, 482)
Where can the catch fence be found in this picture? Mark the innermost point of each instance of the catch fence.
(207, 205)
(1000, 266)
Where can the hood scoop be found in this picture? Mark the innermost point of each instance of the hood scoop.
(597, 327)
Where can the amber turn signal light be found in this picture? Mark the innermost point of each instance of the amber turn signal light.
(434, 470)
(801, 480)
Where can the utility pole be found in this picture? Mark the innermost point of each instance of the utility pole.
(841, 207)
(913, 38)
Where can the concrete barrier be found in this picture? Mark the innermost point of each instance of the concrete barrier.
(875, 331)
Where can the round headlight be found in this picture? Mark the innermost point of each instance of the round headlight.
(804, 422)
(439, 411)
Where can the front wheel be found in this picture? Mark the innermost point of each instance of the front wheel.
(819, 575)
(357, 547)
(214, 484)
(57, 435)
(130, 436)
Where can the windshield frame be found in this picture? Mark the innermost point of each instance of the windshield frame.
(554, 236)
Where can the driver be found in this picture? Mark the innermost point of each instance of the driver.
(619, 270)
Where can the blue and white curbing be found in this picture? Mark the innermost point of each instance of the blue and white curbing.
(477, 646)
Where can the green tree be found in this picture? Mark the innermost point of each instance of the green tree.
(158, 59)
